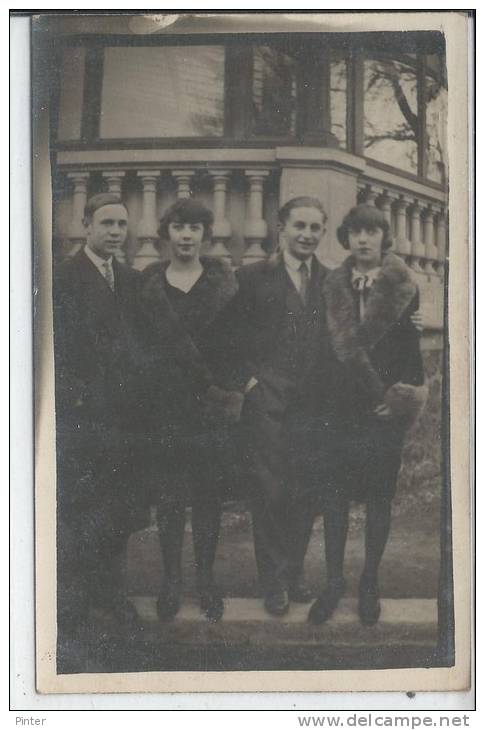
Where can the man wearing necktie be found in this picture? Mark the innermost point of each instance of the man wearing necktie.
(275, 343)
(96, 347)
(106, 338)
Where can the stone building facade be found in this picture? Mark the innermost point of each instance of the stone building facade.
(246, 120)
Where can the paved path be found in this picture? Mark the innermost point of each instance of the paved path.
(248, 639)
(410, 568)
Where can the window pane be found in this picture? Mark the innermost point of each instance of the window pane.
(273, 92)
(338, 100)
(173, 92)
(71, 98)
(436, 119)
(390, 110)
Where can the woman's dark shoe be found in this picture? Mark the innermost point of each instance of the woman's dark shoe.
(369, 603)
(327, 602)
(168, 602)
(211, 603)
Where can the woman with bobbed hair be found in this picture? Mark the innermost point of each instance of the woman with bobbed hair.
(378, 390)
(198, 289)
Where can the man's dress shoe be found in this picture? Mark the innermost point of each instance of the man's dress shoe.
(276, 602)
(211, 603)
(168, 602)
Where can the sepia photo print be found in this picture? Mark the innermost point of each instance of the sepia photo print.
(244, 352)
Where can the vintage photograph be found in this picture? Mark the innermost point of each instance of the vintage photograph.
(249, 265)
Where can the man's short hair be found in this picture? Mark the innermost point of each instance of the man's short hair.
(98, 201)
(366, 217)
(304, 201)
(186, 210)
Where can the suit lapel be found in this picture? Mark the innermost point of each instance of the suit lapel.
(314, 298)
(283, 285)
(100, 302)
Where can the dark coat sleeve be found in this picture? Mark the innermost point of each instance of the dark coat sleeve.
(410, 364)
(71, 383)
(406, 392)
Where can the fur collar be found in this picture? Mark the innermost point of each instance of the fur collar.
(215, 289)
(391, 294)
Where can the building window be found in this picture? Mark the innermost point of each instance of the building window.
(71, 94)
(162, 92)
(273, 92)
(338, 100)
(391, 112)
(436, 120)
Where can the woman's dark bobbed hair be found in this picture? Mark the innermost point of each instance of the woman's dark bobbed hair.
(368, 217)
(186, 210)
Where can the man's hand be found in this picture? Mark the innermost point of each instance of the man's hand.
(252, 382)
(383, 410)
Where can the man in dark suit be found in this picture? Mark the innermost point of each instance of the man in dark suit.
(275, 338)
(96, 328)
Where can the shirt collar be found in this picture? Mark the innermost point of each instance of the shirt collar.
(294, 264)
(97, 260)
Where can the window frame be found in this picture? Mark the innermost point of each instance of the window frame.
(238, 123)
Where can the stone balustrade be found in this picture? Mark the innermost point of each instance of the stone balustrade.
(244, 199)
(418, 224)
(148, 192)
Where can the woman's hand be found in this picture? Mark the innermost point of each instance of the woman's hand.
(383, 410)
(417, 320)
(223, 405)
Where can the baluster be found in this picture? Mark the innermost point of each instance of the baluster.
(183, 178)
(417, 246)
(360, 192)
(147, 227)
(441, 240)
(256, 229)
(429, 240)
(369, 194)
(77, 233)
(384, 204)
(114, 180)
(402, 243)
(221, 232)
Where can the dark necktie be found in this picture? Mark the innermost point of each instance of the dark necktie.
(108, 275)
(304, 280)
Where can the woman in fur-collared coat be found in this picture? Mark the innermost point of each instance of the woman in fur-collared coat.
(379, 390)
(198, 289)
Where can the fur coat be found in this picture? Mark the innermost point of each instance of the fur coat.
(378, 361)
(199, 310)
(191, 427)
(380, 354)
(196, 313)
